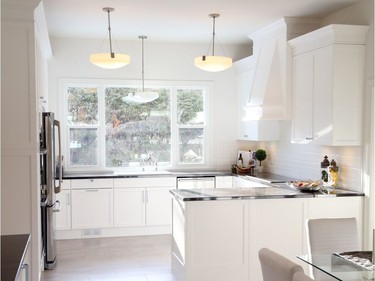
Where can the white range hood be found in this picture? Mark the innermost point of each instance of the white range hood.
(271, 82)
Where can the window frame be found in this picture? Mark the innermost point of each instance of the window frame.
(101, 84)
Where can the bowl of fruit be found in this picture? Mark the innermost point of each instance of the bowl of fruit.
(306, 185)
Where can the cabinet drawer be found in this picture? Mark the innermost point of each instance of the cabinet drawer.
(146, 182)
(92, 183)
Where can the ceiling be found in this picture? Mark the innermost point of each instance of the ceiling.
(177, 20)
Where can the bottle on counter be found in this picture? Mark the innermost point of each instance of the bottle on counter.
(334, 172)
(240, 161)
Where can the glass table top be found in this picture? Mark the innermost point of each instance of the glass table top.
(338, 268)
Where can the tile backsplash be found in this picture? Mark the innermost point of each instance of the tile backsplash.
(302, 161)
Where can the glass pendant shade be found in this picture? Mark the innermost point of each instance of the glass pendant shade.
(213, 63)
(104, 60)
(109, 60)
(141, 96)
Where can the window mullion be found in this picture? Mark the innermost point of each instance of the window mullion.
(102, 127)
(174, 128)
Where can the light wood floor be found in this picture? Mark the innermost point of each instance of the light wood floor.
(142, 258)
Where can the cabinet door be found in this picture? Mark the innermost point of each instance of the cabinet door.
(63, 219)
(281, 231)
(337, 207)
(303, 69)
(92, 208)
(159, 206)
(323, 96)
(243, 94)
(129, 207)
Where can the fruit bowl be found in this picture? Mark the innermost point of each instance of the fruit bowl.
(306, 185)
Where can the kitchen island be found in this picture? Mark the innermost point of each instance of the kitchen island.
(217, 233)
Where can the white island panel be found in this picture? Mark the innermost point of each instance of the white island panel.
(215, 240)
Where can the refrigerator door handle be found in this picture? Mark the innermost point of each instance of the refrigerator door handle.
(58, 187)
(58, 208)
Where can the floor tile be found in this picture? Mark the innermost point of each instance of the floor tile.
(137, 258)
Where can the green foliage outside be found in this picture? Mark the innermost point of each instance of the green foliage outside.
(133, 131)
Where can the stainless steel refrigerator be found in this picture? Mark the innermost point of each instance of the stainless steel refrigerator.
(50, 178)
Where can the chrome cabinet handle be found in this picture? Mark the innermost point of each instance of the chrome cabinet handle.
(91, 190)
(309, 138)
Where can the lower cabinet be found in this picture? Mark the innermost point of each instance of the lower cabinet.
(159, 206)
(220, 240)
(142, 206)
(63, 218)
(277, 224)
(92, 208)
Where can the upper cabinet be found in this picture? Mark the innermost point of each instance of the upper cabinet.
(328, 78)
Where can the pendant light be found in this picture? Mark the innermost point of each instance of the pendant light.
(109, 60)
(142, 96)
(213, 63)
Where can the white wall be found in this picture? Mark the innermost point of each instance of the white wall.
(163, 61)
(303, 161)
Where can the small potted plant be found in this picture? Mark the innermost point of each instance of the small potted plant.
(260, 155)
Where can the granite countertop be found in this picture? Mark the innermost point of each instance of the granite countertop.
(13, 251)
(145, 174)
(271, 191)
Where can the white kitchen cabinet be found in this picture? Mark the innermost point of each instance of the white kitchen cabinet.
(92, 183)
(282, 231)
(63, 218)
(158, 206)
(129, 207)
(143, 201)
(220, 239)
(210, 240)
(328, 74)
(92, 208)
(142, 206)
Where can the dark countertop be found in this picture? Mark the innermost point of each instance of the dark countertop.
(13, 251)
(269, 192)
(145, 174)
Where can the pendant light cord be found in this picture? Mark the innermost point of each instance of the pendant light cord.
(213, 35)
(108, 10)
(143, 37)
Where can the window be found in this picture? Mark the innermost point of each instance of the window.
(103, 130)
